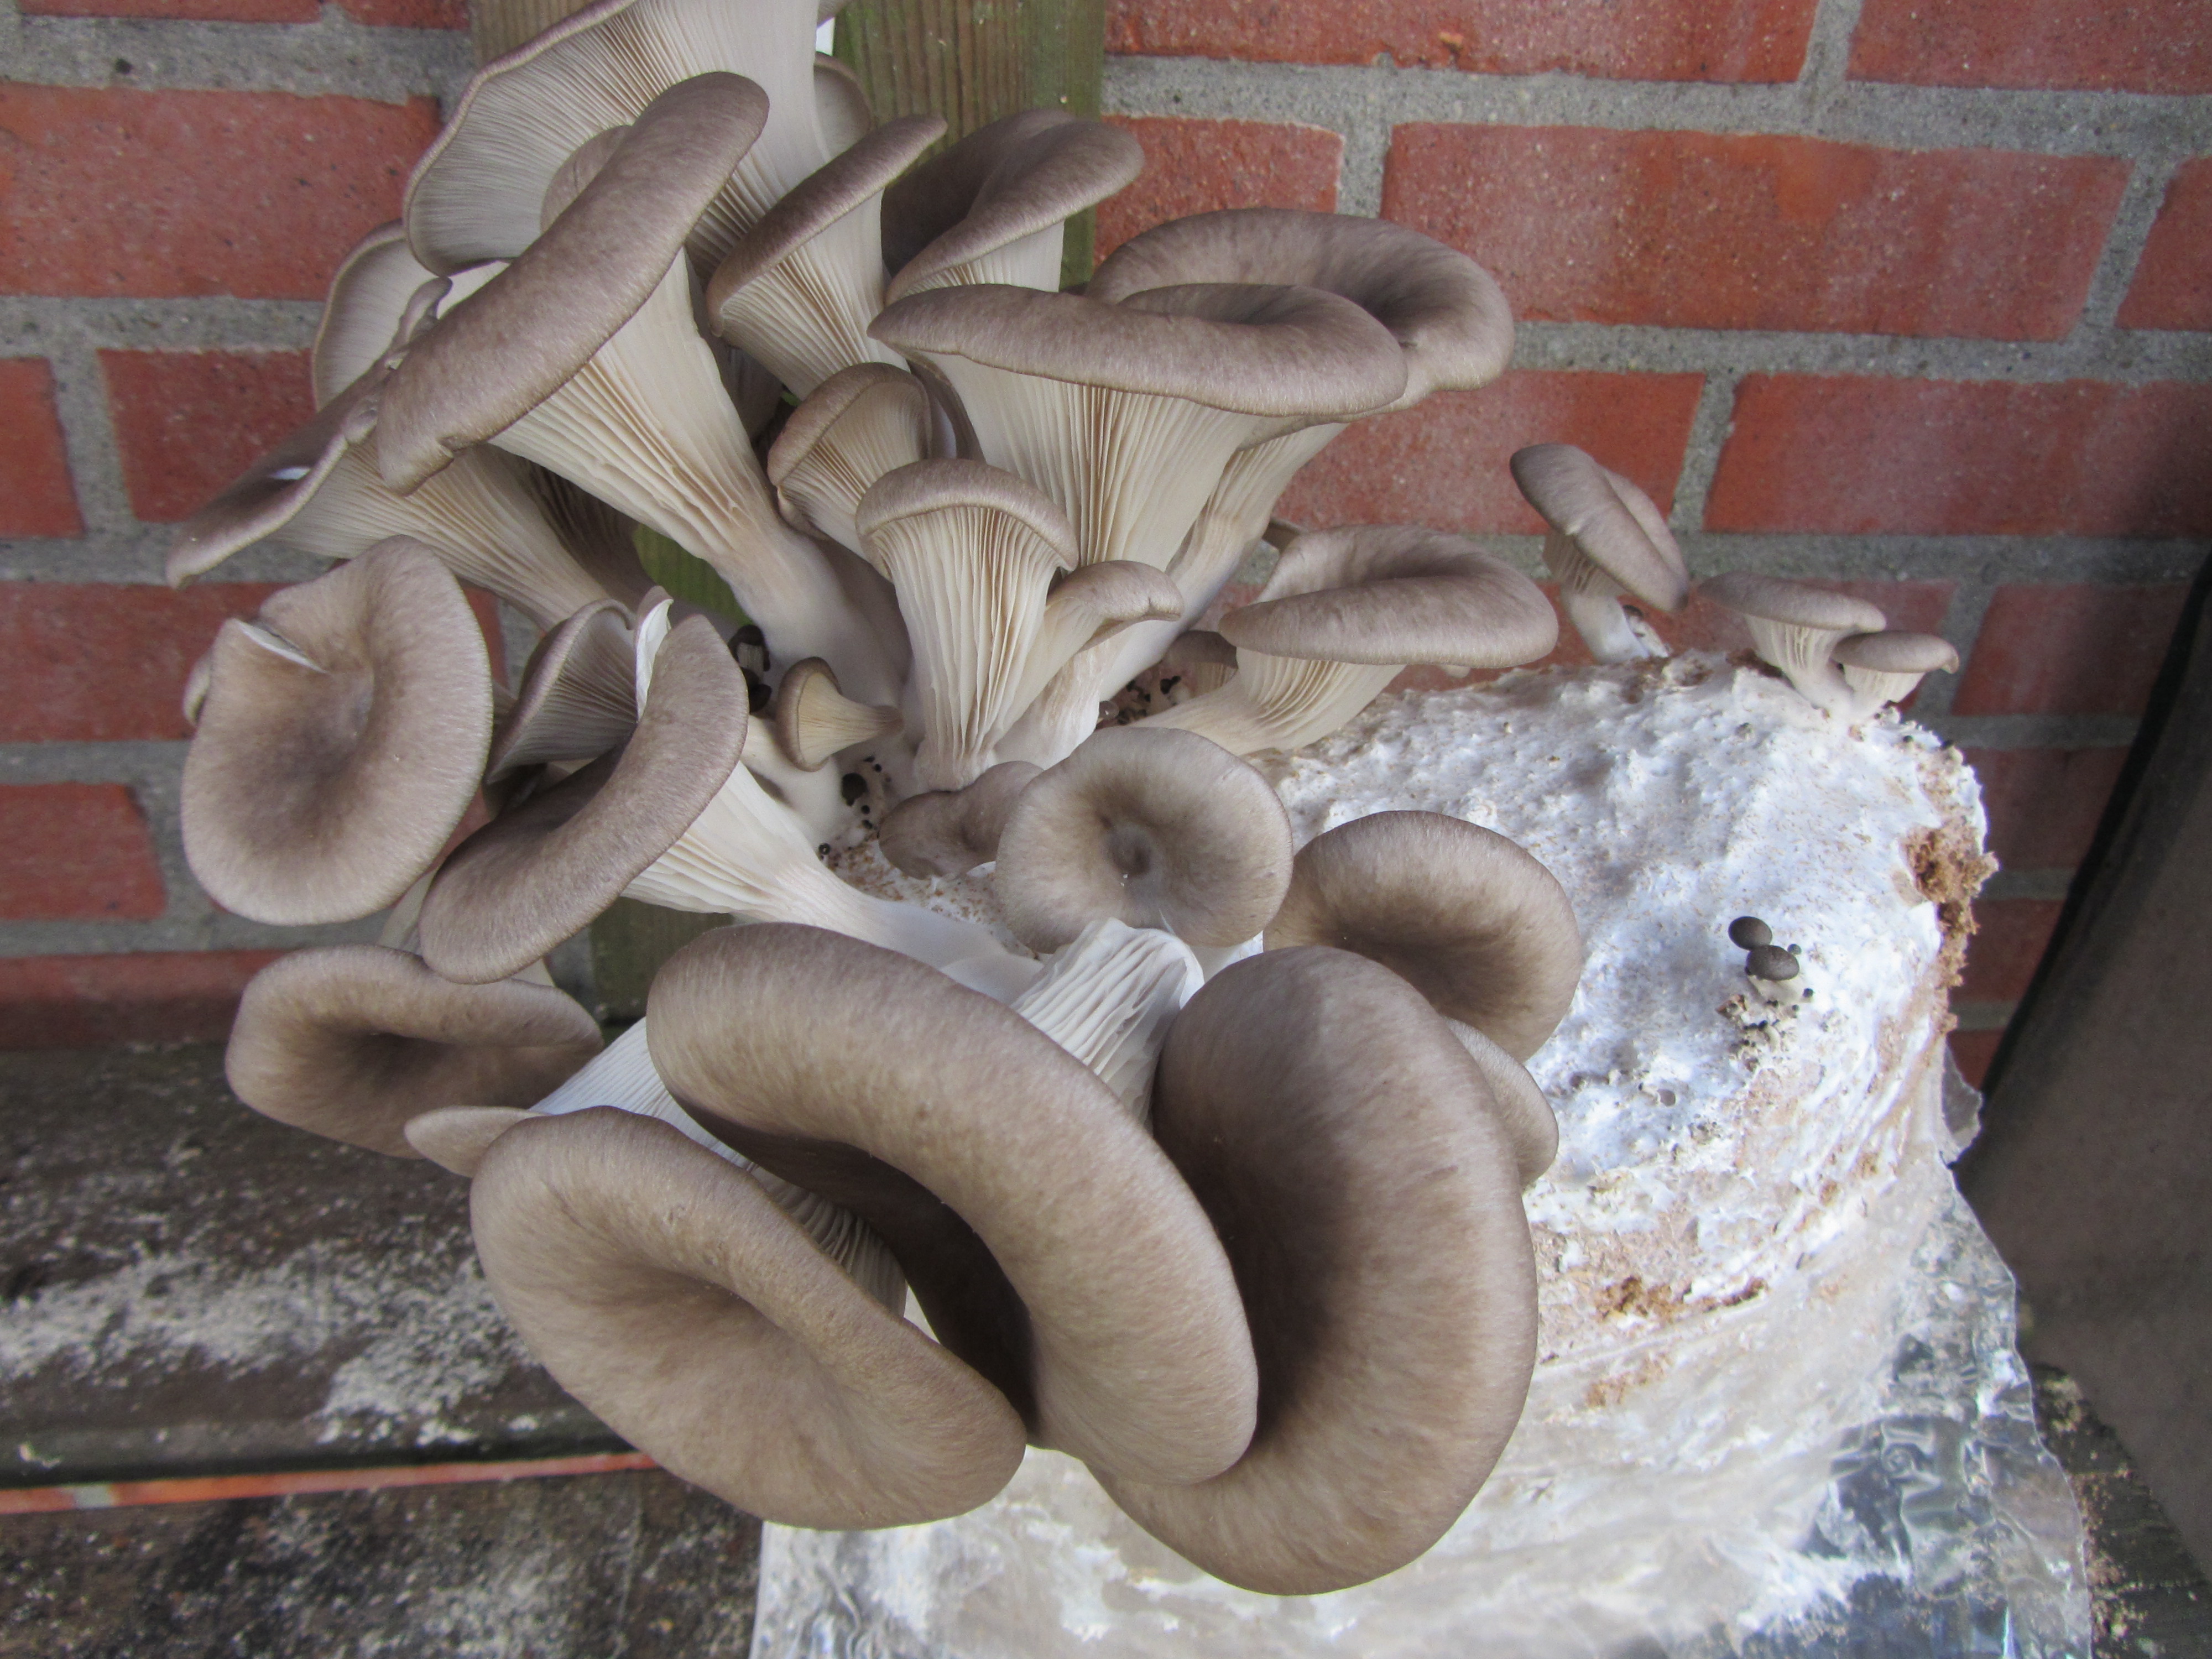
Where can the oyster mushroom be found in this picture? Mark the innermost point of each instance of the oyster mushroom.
(578, 698)
(949, 832)
(858, 425)
(1607, 541)
(1795, 627)
(1888, 668)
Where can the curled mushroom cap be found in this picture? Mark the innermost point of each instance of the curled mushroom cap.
(860, 424)
(1887, 668)
(1158, 829)
(1795, 627)
(1521, 1111)
(340, 741)
(369, 298)
(541, 871)
(350, 1040)
(1478, 926)
(578, 698)
(1606, 539)
(1448, 314)
(663, 1289)
(992, 208)
(948, 832)
(1337, 1136)
(1049, 1241)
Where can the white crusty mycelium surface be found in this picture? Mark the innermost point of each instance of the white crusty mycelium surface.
(997, 505)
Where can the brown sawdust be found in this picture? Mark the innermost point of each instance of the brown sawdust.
(1948, 867)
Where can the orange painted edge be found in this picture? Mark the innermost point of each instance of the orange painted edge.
(118, 1494)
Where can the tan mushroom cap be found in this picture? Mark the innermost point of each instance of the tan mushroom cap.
(579, 696)
(1479, 927)
(1154, 827)
(1897, 652)
(1200, 660)
(840, 103)
(369, 297)
(1048, 1240)
(1611, 522)
(860, 424)
(948, 832)
(1278, 351)
(663, 1289)
(543, 871)
(1396, 593)
(1523, 1112)
(456, 1138)
(340, 742)
(351, 1040)
(1016, 178)
(1448, 314)
(814, 721)
(1335, 1134)
(513, 343)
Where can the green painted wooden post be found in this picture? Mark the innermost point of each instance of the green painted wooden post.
(974, 61)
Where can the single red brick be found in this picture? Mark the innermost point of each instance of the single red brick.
(257, 194)
(2043, 804)
(1195, 167)
(1849, 454)
(1914, 607)
(82, 1002)
(36, 496)
(2069, 648)
(179, 11)
(1630, 39)
(187, 422)
(1704, 230)
(2172, 285)
(1974, 1050)
(2145, 45)
(104, 663)
(2011, 936)
(75, 850)
(1443, 462)
(408, 13)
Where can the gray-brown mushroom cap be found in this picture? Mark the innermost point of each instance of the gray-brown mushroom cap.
(367, 300)
(1396, 593)
(948, 832)
(1897, 652)
(1476, 925)
(1611, 522)
(1792, 603)
(1156, 827)
(511, 343)
(663, 1289)
(886, 1088)
(340, 742)
(351, 1040)
(1338, 1136)
(542, 871)
(1523, 1112)
(1448, 314)
(1012, 178)
(1286, 352)
(579, 696)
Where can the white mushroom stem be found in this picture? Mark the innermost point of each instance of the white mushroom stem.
(1279, 702)
(1872, 690)
(1803, 653)
(646, 426)
(621, 1075)
(1108, 999)
(816, 795)
(1592, 601)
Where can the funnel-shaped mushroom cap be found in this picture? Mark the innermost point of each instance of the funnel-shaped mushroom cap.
(930, 1110)
(1335, 1132)
(991, 208)
(1886, 667)
(663, 1289)
(1396, 593)
(1158, 828)
(350, 1040)
(340, 742)
(1795, 627)
(948, 832)
(579, 696)
(858, 424)
(1607, 539)
(1478, 927)
(1448, 314)
(814, 719)
(369, 298)
(534, 875)
(800, 289)
(841, 104)
(1286, 352)
(508, 346)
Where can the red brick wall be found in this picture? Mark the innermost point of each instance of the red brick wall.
(1913, 297)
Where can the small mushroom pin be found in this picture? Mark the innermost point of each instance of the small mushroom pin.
(1771, 970)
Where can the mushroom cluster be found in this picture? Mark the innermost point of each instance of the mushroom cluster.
(1202, 1161)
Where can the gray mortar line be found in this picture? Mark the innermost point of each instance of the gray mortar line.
(332, 55)
(2033, 730)
(1962, 626)
(2122, 355)
(1828, 47)
(2045, 885)
(2125, 124)
(95, 462)
(29, 322)
(135, 554)
(1701, 455)
(215, 932)
(2124, 243)
(2113, 561)
(1366, 152)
